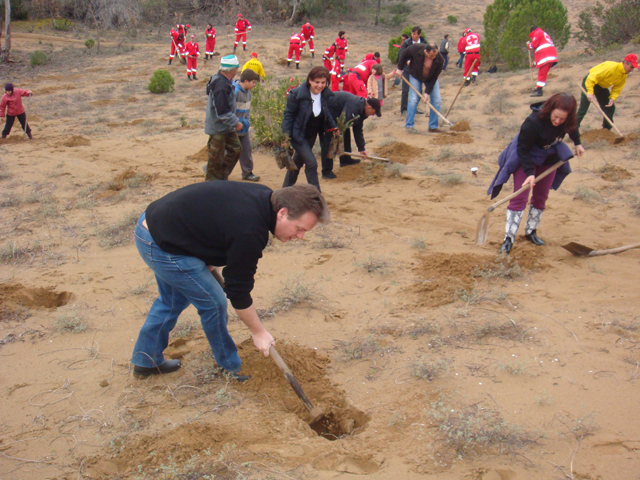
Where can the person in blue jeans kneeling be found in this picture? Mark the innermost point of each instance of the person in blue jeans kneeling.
(186, 234)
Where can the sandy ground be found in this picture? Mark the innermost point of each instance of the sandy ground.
(432, 357)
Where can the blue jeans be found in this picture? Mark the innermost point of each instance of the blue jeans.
(181, 280)
(446, 60)
(434, 99)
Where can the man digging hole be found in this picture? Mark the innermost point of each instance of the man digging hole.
(186, 234)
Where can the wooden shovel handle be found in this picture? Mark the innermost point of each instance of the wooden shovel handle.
(290, 378)
(531, 69)
(526, 187)
(602, 112)
(428, 103)
(596, 253)
(461, 85)
(370, 157)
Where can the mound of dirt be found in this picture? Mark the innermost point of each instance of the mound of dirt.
(366, 173)
(14, 296)
(451, 138)
(201, 156)
(398, 152)
(77, 141)
(604, 135)
(462, 126)
(119, 182)
(613, 173)
(12, 139)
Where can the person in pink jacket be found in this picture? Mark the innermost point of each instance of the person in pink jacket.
(12, 103)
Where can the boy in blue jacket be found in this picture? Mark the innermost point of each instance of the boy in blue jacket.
(248, 80)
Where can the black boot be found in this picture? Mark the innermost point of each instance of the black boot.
(537, 92)
(506, 246)
(313, 55)
(288, 64)
(194, 76)
(473, 78)
(234, 49)
(511, 228)
(533, 220)
(467, 82)
(534, 238)
(297, 66)
(189, 77)
(169, 61)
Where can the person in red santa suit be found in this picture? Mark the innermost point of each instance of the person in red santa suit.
(545, 57)
(372, 56)
(337, 77)
(356, 81)
(242, 27)
(210, 42)
(328, 56)
(471, 53)
(296, 44)
(342, 49)
(174, 44)
(192, 52)
(183, 29)
(307, 32)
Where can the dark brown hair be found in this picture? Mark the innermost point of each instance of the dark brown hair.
(249, 76)
(377, 69)
(565, 102)
(318, 72)
(300, 199)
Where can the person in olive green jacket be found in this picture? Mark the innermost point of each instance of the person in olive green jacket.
(602, 77)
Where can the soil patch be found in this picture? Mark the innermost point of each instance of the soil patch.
(527, 255)
(16, 296)
(604, 135)
(366, 173)
(613, 173)
(452, 138)
(12, 139)
(77, 141)
(398, 152)
(119, 182)
(57, 88)
(104, 102)
(462, 126)
(201, 156)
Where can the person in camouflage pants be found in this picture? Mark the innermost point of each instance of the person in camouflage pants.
(224, 151)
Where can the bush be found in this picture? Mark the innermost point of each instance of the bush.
(618, 24)
(400, 9)
(38, 58)
(161, 82)
(268, 100)
(507, 24)
(90, 43)
(452, 20)
(62, 24)
(393, 50)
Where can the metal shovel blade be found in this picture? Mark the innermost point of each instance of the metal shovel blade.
(577, 249)
(482, 231)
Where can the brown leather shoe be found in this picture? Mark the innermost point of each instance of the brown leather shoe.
(435, 130)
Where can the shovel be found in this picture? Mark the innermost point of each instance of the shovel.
(582, 251)
(621, 136)
(424, 98)
(461, 85)
(482, 231)
(533, 85)
(316, 413)
(369, 157)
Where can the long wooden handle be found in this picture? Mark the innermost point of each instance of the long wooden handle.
(176, 47)
(461, 85)
(428, 103)
(526, 187)
(370, 157)
(603, 114)
(596, 253)
(291, 379)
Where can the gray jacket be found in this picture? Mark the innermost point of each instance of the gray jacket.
(221, 106)
(444, 46)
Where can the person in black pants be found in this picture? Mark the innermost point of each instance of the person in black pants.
(305, 118)
(11, 102)
(416, 37)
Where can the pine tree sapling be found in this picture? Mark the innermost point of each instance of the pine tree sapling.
(161, 82)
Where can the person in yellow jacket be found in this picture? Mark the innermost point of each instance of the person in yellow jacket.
(255, 65)
(602, 77)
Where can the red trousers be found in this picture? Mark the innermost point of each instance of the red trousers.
(294, 48)
(540, 191)
(192, 63)
(242, 36)
(353, 84)
(209, 45)
(172, 52)
(335, 83)
(543, 71)
(310, 43)
(327, 64)
(468, 60)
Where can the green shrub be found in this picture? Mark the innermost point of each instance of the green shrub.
(400, 9)
(268, 100)
(507, 25)
(618, 23)
(452, 20)
(62, 24)
(38, 58)
(393, 50)
(161, 82)
(90, 43)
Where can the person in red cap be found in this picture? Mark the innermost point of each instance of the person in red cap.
(471, 53)
(545, 57)
(242, 27)
(192, 52)
(342, 49)
(307, 32)
(210, 42)
(255, 65)
(602, 77)
(296, 44)
(12, 103)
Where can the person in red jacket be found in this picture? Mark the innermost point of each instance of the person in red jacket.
(328, 55)
(307, 32)
(296, 44)
(183, 29)
(174, 45)
(337, 76)
(12, 103)
(242, 27)
(471, 53)
(372, 56)
(210, 42)
(545, 57)
(462, 43)
(192, 52)
(342, 49)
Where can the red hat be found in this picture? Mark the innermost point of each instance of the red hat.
(239, 15)
(188, 26)
(254, 54)
(632, 58)
(193, 36)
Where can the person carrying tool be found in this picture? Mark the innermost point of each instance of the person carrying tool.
(444, 51)
(242, 27)
(183, 29)
(296, 44)
(185, 235)
(174, 45)
(337, 77)
(597, 83)
(255, 65)
(372, 56)
(471, 53)
(342, 49)
(535, 149)
(424, 63)
(545, 57)
(327, 56)
(11, 103)
(210, 42)
(416, 37)
(192, 52)
(307, 32)
(462, 43)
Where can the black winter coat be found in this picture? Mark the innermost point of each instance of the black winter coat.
(415, 53)
(353, 106)
(299, 110)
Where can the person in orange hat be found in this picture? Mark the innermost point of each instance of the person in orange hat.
(597, 83)
(242, 27)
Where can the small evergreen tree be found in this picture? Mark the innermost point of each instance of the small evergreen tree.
(161, 82)
(395, 51)
(507, 24)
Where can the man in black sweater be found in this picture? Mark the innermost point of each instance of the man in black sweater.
(186, 234)
(416, 37)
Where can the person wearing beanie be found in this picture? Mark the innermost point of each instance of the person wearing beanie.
(242, 27)
(597, 83)
(255, 65)
(221, 122)
(11, 103)
(192, 52)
